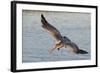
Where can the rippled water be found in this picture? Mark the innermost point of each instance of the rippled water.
(36, 41)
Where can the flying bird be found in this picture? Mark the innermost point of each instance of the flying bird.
(60, 41)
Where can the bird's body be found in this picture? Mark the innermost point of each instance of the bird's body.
(61, 41)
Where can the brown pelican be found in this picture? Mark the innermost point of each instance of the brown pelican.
(61, 41)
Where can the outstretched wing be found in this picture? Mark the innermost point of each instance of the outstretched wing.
(51, 29)
(75, 48)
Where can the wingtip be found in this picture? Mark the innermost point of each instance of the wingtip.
(42, 15)
(82, 52)
(43, 18)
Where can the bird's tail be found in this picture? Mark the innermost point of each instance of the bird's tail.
(81, 52)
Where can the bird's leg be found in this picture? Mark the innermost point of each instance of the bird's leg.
(65, 46)
(58, 49)
(51, 50)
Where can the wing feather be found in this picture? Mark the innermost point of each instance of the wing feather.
(72, 46)
(75, 48)
(50, 29)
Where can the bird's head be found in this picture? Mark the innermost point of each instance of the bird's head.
(66, 39)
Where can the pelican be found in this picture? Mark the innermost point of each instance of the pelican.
(60, 41)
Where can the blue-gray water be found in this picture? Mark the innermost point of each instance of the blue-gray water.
(36, 41)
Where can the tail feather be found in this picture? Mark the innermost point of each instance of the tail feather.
(81, 52)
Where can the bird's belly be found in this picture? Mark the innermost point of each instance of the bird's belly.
(59, 45)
